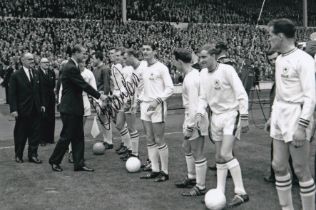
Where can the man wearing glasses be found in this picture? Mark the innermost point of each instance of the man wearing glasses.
(47, 80)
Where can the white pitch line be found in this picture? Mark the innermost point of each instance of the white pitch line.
(142, 136)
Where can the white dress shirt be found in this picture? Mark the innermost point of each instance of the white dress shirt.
(27, 72)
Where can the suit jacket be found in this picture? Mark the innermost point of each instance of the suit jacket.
(24, 95)
(47, 82)
(73, 85)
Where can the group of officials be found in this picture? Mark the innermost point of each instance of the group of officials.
(32, 103)
(216, 104)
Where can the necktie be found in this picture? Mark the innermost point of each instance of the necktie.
(31, 76)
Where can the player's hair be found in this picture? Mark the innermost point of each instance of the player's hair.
(221, 45)
(283, 25)
(151, 44)
(132, 52)
(76, 49)
(98, 54)
(270, 52)
(120, 49)
(183, 54)
(210, 49)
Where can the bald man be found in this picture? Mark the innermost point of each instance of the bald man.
(26, 105)
(47, 80)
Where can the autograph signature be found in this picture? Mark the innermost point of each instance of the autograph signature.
(114, 103)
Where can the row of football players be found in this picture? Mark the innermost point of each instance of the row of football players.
(218, 87)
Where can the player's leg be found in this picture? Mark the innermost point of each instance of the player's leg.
(282, 175)
(107, 132)
(122, 127)
(131, 124)
(197, 146)
(159, 133)
(233, 166)
(295, 180)
(221, 168)
(270, 177)
(300, 157)
(190, 180)
(153, 153)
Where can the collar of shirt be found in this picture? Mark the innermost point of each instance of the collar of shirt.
(222, 56)
(44, 71)
(75, 62)
(27, 72)
(100, 65)
(216, 67)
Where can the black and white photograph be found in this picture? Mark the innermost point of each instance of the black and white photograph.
(157, 104)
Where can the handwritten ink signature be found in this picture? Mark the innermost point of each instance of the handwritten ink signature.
(115, 103)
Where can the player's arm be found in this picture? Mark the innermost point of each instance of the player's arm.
(169, 88)
(202, 97)
(240, 94)
(140, 86)
(193, 96)
(307, 78)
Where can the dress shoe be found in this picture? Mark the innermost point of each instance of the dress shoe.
(56, 167)
(18, 160)
(85, 168)
(35, 160)
(43, 144)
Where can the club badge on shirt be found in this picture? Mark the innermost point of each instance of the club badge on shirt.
(285, 73)
(217, 85)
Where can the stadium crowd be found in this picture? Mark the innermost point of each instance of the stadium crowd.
(196, 11)
(48, 38)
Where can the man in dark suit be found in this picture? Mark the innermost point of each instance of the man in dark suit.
(71, 110)
(26, 105)
(47, 80)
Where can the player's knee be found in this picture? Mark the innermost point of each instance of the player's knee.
(186, 147)
(132, 130)
(219, 159)
(119, 126)
(279, 169)
(150, 139)
(302, 172)
(198, 156)
(160, 142)
(226, 156)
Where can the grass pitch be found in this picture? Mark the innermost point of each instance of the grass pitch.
(111, 187)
